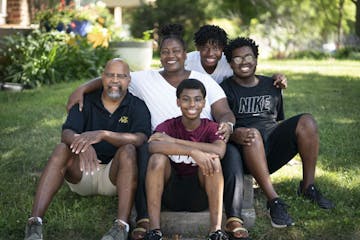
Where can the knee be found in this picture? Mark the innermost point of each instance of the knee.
(126, 155)
(62, 147)
(157, 162)
(61, 154)
(258, 141)
(307, 124)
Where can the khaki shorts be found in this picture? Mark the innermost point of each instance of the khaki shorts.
(97, 184)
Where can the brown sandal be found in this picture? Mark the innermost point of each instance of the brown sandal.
(142, 226)
(237, 230)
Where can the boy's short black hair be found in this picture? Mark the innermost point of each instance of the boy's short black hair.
(238, 43)
(190, 83)
(210, 34)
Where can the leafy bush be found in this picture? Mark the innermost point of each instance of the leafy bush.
(352, 53)
(51, 57)
(310, 54)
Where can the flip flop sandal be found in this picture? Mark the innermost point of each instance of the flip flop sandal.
(231, 233)
(139, 232)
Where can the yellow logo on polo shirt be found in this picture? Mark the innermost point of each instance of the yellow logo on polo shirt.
(124, 119)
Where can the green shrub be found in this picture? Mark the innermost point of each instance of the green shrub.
(51, 57)
(352, 53)
(309, 54)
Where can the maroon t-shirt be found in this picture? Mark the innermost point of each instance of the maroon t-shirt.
(185, 165)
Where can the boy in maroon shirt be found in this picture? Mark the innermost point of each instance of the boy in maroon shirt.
(184, 171)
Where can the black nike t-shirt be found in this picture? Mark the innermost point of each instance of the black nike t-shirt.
(259, 107)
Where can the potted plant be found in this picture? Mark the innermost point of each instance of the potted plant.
(58, 18)
(137, 52)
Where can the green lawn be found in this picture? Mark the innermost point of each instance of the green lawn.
(30, 127)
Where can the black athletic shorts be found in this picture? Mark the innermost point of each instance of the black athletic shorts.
(184, 193)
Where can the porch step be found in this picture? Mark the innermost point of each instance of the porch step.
(196, 224)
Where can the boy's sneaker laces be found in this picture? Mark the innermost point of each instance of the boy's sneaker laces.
(278, 213)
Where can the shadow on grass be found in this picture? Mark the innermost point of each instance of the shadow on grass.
(311, 222)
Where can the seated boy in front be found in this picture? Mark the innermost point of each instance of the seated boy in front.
(184, 170)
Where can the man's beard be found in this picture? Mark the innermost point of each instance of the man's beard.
(114, 95)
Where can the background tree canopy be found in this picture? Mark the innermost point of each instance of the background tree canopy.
(190, 13)
(286, 26)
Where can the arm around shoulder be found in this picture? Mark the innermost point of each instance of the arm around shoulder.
(77, 96)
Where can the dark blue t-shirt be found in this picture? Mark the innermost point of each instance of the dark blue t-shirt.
(259, 107)
(132, 116)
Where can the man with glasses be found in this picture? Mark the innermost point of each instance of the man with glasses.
(210, 41)
(260, 122)
(97, 153)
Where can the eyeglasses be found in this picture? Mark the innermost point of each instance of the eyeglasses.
(117, 75)
(247, 58)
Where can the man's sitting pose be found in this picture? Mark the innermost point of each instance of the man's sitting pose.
(258, 108)
(97, 153)
(184, 171)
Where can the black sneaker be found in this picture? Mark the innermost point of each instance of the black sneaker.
(315, 196)
(278, 213)
(154, 234)
(218, 235)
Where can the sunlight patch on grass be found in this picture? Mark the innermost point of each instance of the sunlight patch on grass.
(53, 122)
(7, 155)
(9, 130)
(9, 158)
(323, 67)
(344, 120)
(293, 94)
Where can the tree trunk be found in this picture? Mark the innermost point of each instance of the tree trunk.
(339, 23)
(357, 19)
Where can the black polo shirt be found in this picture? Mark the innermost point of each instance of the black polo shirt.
(132, 116)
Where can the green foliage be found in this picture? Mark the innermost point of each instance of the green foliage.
(348, 53)
(190, 13)
(309, 54)
(52, 18)
(245, 9)
(293, 25)
(47, 58)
